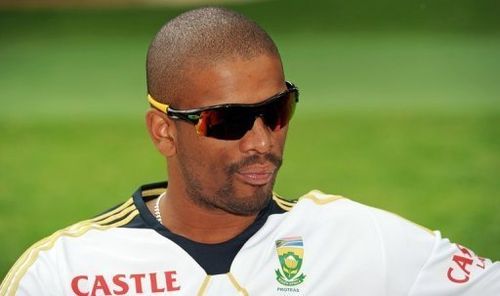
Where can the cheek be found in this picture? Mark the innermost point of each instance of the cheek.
(189, 150)
(206, 158)
(280, 139)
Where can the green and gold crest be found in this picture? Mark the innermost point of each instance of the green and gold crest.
(290, 254)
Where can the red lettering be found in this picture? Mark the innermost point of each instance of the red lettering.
(121, 284)
(483, 264)
(100, 284)
(76, 288)
(170, 278)
(454, 279)
(464, 250)
(119, 280)
(154, 283)
(463, 262)
(138, 281)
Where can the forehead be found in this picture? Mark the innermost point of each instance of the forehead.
(231, 80)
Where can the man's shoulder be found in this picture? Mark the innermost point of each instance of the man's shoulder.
(315, 197)
(339, 211)
(44, 254)
(117, 221)
(318, 202)
(116, 217)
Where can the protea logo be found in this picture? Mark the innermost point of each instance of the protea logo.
(290, 254)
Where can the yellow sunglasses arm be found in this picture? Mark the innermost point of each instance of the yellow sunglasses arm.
(157, 105)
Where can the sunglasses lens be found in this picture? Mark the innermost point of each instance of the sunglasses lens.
(225, 123)
(232, 123)
(278, 113)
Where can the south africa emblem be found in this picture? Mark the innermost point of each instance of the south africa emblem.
(291, 254)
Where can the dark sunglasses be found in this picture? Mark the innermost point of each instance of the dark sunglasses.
(232, 121)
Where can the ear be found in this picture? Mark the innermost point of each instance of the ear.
(162, 132)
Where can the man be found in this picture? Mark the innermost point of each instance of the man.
(220, 113)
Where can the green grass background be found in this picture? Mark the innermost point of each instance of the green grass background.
(400, 109)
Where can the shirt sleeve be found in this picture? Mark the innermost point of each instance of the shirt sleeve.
(455, 270)
(419, 262)
(34, 273)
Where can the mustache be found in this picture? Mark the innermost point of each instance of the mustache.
(255, 159)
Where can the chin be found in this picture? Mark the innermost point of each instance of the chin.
(250, 203)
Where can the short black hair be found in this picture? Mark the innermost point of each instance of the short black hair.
(202, 36)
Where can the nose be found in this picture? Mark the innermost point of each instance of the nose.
(258, 139)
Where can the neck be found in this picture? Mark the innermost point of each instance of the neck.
(183, 217)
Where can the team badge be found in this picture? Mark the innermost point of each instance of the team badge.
(290, 254)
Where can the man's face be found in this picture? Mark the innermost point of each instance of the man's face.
(235, 176)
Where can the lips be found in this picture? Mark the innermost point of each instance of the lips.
(256, 175)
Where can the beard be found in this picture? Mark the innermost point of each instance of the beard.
(225, 198)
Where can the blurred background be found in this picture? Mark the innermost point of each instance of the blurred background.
(400, 109)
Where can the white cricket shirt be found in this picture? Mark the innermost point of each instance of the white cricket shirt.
(321, 245)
